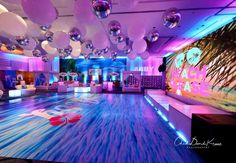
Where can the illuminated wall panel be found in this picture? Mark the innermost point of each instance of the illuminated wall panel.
(206, 70)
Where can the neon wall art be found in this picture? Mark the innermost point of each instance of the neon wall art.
(205, 71)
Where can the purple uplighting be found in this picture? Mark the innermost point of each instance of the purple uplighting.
(117, 81)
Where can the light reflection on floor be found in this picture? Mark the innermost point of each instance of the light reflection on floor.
(87, 128)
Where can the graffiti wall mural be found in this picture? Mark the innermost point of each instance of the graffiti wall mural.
(206, 70)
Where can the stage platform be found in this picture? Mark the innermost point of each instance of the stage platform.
(178, 113)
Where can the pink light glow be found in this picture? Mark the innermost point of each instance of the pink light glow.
(183, 44)
(110, 86)
(60, 83)
(190, 80)
(178, 45)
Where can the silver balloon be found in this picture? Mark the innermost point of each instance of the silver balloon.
(45, 28)
(63, 55)
(86, 56)
(171, 18)
(22, 40)
(11, 47)
(49, 36)
(106, 50)
(45, 58)
(37, 53)
(114, 28)
(127, 49)
(113, 55)
(102, 8)
(89, 44)
(97, 52)
(75, 34)
(120, 38)
(68, 50)
(60, 51)
(153, 35)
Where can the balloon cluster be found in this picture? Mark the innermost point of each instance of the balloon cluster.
(22, 40)
(42, 14)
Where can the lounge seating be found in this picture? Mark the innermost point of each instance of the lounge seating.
(82, 89)
(96, 88)
(1, 93)
(65, 88)
(27, 92)
(52, 86)
(22, 90)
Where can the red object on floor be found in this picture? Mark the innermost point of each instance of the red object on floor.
(64, 119)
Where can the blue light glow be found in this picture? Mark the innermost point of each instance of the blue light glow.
(148, 101)
(15, 101)
(168, 54)
(171, 125)
(162, 116)
(85, 76)
(208, 26)
(180, 134)
(182, 137)
(82, 89)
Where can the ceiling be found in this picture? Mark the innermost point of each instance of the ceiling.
(198, 19)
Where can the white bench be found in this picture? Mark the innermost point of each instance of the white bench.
(65, 88)
(1, 93)
(28, 91)
(82, 89)
(96, 88)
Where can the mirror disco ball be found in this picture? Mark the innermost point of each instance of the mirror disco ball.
(36, 53)
(11, 47)
(22, 40)
(114, 28)
(102, 8)
(153, 35)
(45, 58)
(171, 18)
(75, 34)
(45, 27)
(49, 36)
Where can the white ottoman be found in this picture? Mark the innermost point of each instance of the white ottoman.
(96, 89)
(1, 93)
